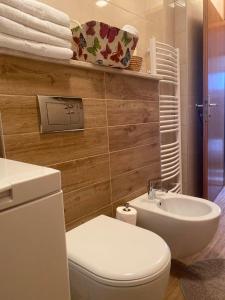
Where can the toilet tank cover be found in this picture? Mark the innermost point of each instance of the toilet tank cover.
(117, 251)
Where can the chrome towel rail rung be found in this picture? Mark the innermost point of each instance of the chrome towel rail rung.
(176, 147)
(161, 48)
(173, 103)
(169, 145)
(166, 45)
(172, 163)
(171, 154)
(172, 112)
(170, 172)
(169, 126)
(168, 77)
(171, 168)
(168, 96)
(168, 81)
(166, 160)
(167, 67)
(176, 188)
(169, 130)
(169, 117)
(171, 63)
(172, 116)
(167, 57)
(170, 177)
(169, 121)
(160, 71)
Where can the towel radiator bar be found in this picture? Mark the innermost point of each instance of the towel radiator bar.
(164, 61)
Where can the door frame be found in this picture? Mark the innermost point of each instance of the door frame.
(204, 100)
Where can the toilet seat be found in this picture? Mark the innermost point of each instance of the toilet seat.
(115, 253)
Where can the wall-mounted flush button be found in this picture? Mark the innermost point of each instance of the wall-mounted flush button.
(57, 115)
(60, 113)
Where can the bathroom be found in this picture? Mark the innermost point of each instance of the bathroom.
(105, 147)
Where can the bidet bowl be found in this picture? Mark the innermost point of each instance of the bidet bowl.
(186, 223)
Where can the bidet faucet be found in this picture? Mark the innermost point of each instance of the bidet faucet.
(151, 190)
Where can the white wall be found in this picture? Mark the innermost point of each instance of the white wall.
(219, 5)
(188, 37)
(150, 17)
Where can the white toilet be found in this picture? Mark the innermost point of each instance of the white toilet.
(113, 260)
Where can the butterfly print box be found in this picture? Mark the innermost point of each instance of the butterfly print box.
(102, 44)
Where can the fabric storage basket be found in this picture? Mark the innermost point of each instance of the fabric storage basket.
(102, 44)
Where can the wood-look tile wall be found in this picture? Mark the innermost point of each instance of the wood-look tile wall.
(106, 164)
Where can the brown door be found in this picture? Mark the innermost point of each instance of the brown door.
(213, 101)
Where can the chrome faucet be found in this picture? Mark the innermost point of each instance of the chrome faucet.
(151, 190)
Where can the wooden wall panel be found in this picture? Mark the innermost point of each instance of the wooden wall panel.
(130, 88)
(122, 137)
(48, 79)
(24, 110)
(52, 148)
(103, 166)
(134, 158)
(81, 202)
(122, 112)
(107, 210)
(80, 173)
(19, 114)
(128, 183)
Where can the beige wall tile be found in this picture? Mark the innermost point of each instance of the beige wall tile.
(83, 202)
(123, 137)
(20, 114)
(28, 77)
(94, 113)
(53, 148)
(131, 159)
(132, 112)
(104, 211)
(120, 87)
(1, 139)
(83, 172)
(128, 183)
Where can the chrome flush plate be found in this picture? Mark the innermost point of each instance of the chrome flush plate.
(58, 113)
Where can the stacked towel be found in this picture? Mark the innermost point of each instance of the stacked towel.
(36, 28)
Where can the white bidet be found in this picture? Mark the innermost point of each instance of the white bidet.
(186, 223)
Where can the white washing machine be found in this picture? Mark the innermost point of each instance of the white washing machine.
(33, 260)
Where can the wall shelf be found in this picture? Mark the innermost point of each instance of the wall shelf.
(80, 64)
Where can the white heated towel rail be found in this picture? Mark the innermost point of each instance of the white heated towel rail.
(164, 61)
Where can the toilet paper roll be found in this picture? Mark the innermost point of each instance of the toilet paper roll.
(128, 216)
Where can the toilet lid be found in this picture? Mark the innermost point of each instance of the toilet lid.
(113, 250)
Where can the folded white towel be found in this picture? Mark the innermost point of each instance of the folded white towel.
(35, 23)
(40, 49)
(40, 10)
(12, 28)
(10, 52)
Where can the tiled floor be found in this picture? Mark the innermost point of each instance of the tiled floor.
(216, 249)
